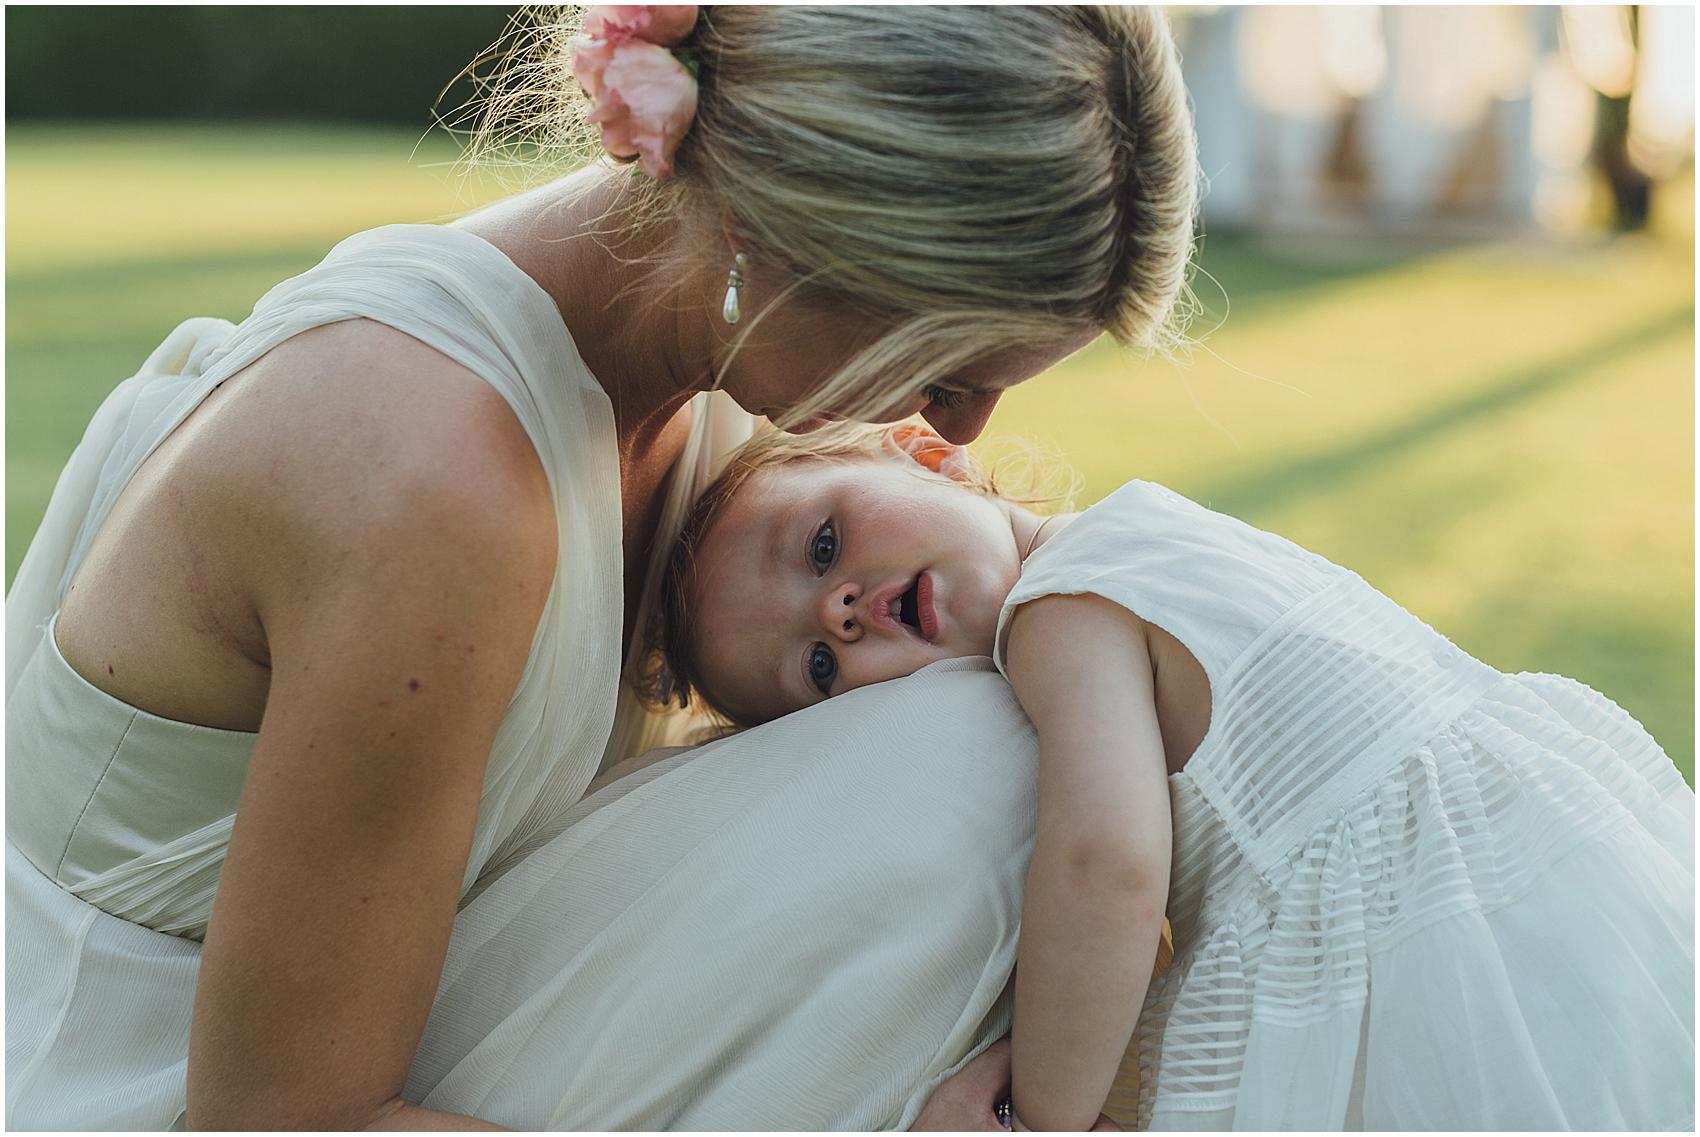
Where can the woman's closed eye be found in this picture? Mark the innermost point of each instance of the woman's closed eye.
(944, 397)
(822, 668)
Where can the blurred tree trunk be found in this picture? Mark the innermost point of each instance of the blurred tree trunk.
(1631, 189)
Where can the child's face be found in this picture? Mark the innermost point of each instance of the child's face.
(819, 577)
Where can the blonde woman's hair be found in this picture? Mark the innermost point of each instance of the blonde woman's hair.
(1021, 474)
(973, 178)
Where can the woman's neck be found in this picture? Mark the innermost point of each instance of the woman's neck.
(649, 341)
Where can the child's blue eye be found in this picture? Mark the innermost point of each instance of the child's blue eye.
(823, 667)
(824, 547)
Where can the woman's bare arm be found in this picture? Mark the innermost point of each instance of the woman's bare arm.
(401, 546)
(1098, 883)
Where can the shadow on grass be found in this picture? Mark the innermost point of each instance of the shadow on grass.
(1259, 493)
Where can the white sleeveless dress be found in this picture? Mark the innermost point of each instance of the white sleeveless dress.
(118, 820)
(780, 930)
(1408, 891)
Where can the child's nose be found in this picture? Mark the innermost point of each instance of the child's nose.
(841, 615)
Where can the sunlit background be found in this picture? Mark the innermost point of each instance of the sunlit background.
(1446, 288)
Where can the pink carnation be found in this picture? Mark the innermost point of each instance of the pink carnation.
(590, 59)
(644, 100)
(664, 24)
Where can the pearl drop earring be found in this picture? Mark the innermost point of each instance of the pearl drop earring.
(731, 309)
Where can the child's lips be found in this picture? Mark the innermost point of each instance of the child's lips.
(924, 611)
(880, 609)
(926, 625)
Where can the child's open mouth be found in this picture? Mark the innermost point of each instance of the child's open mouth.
(915, 608)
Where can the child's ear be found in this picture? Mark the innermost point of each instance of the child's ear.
(925, 447)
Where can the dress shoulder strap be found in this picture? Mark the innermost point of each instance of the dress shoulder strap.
(1210, 580)
(460, 295)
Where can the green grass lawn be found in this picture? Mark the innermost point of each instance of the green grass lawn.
(1499, 436)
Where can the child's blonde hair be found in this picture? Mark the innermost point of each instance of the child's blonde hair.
(1022, 475)
(973, 178)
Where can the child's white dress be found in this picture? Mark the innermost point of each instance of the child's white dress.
(1409, 892)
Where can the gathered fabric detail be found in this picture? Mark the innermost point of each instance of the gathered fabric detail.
(171, 890)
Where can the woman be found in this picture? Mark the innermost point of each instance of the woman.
(324, 620)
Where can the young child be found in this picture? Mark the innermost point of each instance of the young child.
(1407, 891)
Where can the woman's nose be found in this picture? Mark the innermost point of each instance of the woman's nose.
(841, 614)
(962, 424)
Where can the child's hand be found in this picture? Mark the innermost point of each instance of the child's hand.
(965, 1101)
(1104, 1124)
(970, 1099)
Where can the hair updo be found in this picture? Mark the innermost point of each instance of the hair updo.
(976, 178)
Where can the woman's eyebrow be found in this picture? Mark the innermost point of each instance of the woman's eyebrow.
(960, 383)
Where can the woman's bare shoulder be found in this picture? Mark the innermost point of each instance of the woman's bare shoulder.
(355, 445)
(350, 462)
(348, 416)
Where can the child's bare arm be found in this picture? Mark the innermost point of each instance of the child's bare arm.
(1099, 879)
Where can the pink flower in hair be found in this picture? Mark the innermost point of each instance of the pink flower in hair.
(663, 24)
(590, 59)
(645, 101)
(643, 98)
